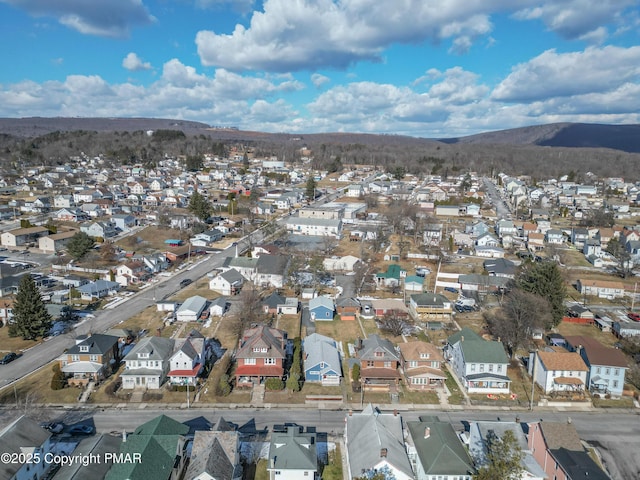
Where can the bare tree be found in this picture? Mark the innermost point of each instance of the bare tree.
(250, 312)
(520, 314)
(394, 323)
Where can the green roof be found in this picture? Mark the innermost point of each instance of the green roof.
(441, 452)
(477, 350)
(465, 333)
(162, 425)
(393, 271)
(157, 454)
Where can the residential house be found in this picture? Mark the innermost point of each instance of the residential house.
(292, 455)
(554, 236)
(192, 309)
(391, 278)
(70, 215)
(600, 288)
(346, 263)
(348, 308)
(161, 446)
(500, 267)
(421, 364)
(123, 221)
(99, 229)
(592, 247)
(321, 360)
(558, 372)
(227, 283)
(535, 242)
(271, 302)
(98, 289)
(483, 283)
(432, 234)
(92, 358)
(607, 366)
(21, 440)
(206, 239)
(482, 433)
(579, 236)
(147, 364)
(321, 308)
(626, 329)
(188, 360)
(487, 240)
(430, 306)
(489, 252)
(379, 363)
(480, 365)
(215, 455)
(389, 306)
(261, 354)
(271, 270)
(436, 452)
(375, 443)
(476, 229)
(131, 273)
(557, 448)
(505, 227)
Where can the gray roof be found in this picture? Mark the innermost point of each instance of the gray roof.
(214, 453)
(318, 348)
(321, 302)
(292, 450)
(232, 276)
(368, 434)
(374, 344)
(95, 445)
(98, 344)
(21, 434)
(193, 304)
(439, 449)
(272, 264)
(429, 299)
(158, 348)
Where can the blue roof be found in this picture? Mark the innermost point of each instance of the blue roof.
(172, 241)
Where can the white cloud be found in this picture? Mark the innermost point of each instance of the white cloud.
(319, 80)
(134, 63)
(114, 18)
(553, 74)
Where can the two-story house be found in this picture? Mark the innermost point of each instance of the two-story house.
(100, 229)
(431, 306)
(421, 365)
(131, 273)
(607, 366)
(261, 354)
(379, 362)
(321, 360)
(480, 365)
(21, 440)
(147, 364)
(227, 283)
(188, 360)
(91, 358)
(558, 372)
(292, 455)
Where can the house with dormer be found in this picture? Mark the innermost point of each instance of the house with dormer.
(147, 364)
(379, 362)
(261, 354)
(321, 360)
(292, 455)
(421, 364)
(93, 357)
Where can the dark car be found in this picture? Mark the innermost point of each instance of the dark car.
(53, 427)
(81, 430)
(9, 357)
(185, 282)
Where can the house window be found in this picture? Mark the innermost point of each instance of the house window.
(84, 348)
(249, 361)
(499, 368)
(608, 371)
(413, 364)
(75, 358)
(260, 349)
(491, 367)
(379, 354)
(482, 367)
(143, 355)
(269, 361)
(93, 358)
(616, 372)
(425, 355)
(387, 364)
(370, 363)
(598, 370)
(473, 367)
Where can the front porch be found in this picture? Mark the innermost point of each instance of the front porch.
(488, 384)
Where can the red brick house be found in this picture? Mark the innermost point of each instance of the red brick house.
(379, 363)
(348, 308)
(261, 355)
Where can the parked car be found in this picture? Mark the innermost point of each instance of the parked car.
(8, 358)
(81, 430)
(53, 427)
(634, 316)
(185, 282)
(451, 289)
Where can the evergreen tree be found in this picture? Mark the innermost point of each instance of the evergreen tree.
(58, 380)
(545, 280)
(200, 206)
(31, 319)
(310, 191)
(79, 245)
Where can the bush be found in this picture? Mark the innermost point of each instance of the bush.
(58, 380)
(355, 372)
(274, 384)
(223, 387)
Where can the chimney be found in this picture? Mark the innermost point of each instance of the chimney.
(383, 453)
(395, 413)
(427, 432)
(124, 436)
(350, 413)
(462, 338)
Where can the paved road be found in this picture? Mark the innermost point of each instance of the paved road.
(47, 351)
(614, 434)
(502, 209)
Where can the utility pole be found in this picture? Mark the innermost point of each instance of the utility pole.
(533, 378)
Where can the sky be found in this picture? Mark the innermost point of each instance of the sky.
(425, 68)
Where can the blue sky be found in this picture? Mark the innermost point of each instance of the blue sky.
(428, 68)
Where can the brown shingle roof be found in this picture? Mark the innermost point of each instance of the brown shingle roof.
(597, 353)
(568, 361)
(412, 351)
(561, 435)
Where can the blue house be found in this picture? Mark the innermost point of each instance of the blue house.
(607, 366)
(321, 308)
(321, 360)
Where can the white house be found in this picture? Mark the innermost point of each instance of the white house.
(191, 309)
(227, 283)
(315, 226)
(147, 364)
(558, 372)
(340, 264)
(188, 359)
